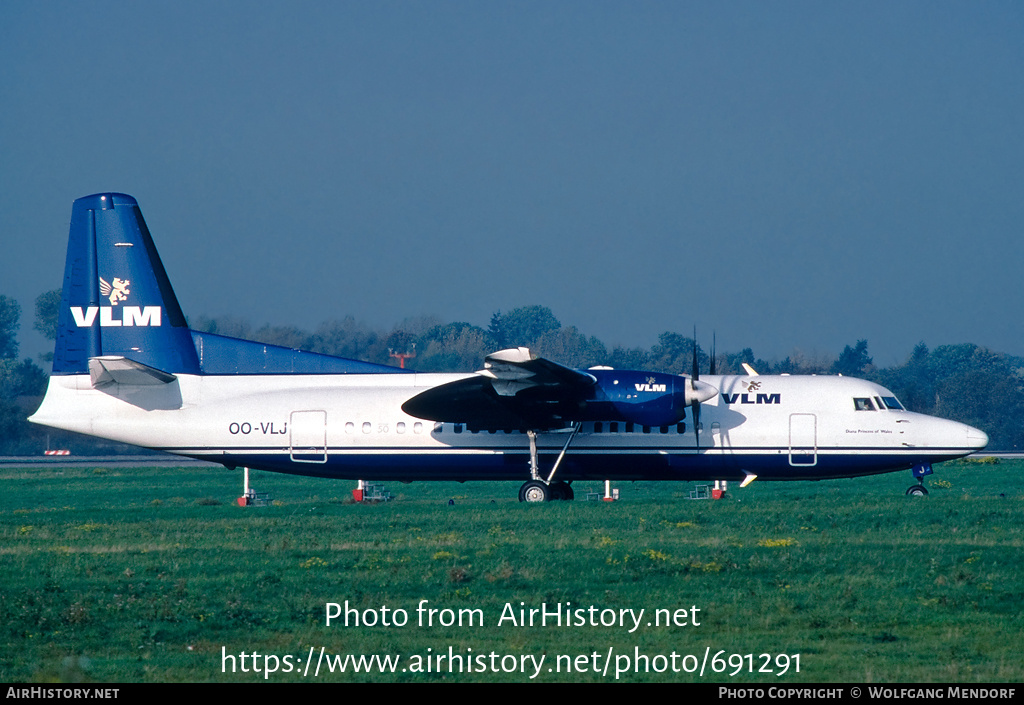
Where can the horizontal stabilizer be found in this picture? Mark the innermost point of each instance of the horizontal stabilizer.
(115, 369)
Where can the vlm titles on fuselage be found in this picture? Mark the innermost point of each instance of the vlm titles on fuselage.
(127, 368)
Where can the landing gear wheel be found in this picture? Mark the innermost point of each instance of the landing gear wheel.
(561, 490)
(557, 491)
(534, 491)
(917, 491)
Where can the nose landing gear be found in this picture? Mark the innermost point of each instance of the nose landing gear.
(920, 471)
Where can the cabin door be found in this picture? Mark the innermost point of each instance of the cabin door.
(803, 440)
(308, 436)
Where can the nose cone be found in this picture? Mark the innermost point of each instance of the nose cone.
(976, 439)
(698, 391)
(957, 438)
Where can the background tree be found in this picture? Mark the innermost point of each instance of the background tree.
(914, 381)
(285, 336)
(10, 317)
(800, 363)
(454, 347)
(231, 326)
(732, 363)
(350, 338)
(980, 390)
(47, 312)
(674, 353)
(571, 348)
(21, 379)
(785, 367)
(522, 326)
(22, 384)
(630, 359)
(853, 362)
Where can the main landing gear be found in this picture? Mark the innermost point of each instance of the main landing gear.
(539, 489)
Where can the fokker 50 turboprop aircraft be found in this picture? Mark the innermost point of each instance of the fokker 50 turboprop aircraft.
(127, 368)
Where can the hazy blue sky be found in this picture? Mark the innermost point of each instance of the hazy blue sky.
(789, 175)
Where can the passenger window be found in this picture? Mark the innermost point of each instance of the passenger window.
(863, 404)
(350, 427)
(629, 427)
(417, 427)
(664, 429)
(400, 426)
(438, 427)
(367, 426)
(598, 427)
(457, 428)
(613, 427)
(680, 428)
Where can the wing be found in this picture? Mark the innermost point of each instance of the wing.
(515, 390)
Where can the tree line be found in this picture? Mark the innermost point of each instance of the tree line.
(965, 382)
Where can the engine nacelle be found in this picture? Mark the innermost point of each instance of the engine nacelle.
(645, 398)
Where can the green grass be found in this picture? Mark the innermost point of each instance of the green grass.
(145, 574)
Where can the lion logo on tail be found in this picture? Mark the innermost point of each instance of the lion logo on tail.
(116, 292)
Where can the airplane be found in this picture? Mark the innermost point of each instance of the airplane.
(127, 368)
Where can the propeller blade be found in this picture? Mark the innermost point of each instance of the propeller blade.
(696, 369)
(695, 409)
(695, 404)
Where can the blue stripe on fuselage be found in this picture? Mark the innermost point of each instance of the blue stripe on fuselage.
(443, 464)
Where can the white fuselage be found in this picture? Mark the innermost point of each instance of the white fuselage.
(352, 426)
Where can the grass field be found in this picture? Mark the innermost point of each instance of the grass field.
(154, 574)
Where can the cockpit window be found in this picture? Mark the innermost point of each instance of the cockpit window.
(893, 403)
(863, 404)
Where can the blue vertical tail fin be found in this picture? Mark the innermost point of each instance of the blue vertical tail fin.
(117, 299)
